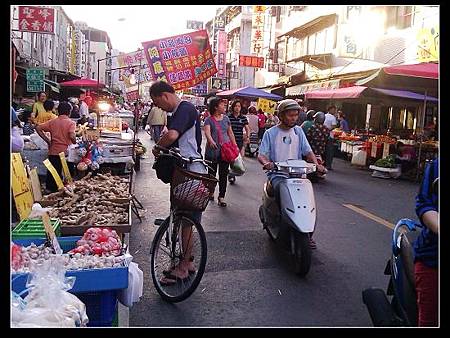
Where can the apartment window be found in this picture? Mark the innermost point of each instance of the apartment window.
(279, 52)
(312, 44)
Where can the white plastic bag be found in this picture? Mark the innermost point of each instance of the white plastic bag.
(36, 139)
(359, 158)
(135, 286)
(48, 304)
(237, 166)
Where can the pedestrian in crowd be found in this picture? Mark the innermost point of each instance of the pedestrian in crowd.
(239, 125)
(184, 133)
(309, 122)
(261, 121)
(426, 247)
(331, 123)
(405, 157)
(85, 102)
(75, 113)
(285, 141)
(302, 112)
(343, 124)
(318, 135)
(217, 123)
(48, 115)
(253, 121)
(17, 142)
(145, 113)
(38, 106)
(28, 125)
(272, 120)
(156, 122)
(62, 131)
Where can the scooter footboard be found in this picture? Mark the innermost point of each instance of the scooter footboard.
(299, 206)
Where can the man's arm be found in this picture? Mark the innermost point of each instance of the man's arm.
(40, 131)
(264, 153)
(166, 140)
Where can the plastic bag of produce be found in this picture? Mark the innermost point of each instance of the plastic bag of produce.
(135, 286)
(48, 304)
(237, 166)
(359, 158)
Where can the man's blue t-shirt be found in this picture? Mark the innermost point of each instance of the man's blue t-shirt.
(182, 119)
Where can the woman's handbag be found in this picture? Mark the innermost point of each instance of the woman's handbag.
(228, 151)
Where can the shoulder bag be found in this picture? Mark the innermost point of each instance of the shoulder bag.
(228, 150)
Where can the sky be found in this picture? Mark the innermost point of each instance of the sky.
(130, 25)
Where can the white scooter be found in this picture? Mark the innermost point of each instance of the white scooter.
(291, 221)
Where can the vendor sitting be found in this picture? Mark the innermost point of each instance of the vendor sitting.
(405, 156)
(28, 126)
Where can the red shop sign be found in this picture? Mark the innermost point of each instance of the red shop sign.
(37, 19)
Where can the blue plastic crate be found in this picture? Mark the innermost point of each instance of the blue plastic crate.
(87, 280)
(101, 307)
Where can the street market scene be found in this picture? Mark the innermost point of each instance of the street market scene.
(225, 166)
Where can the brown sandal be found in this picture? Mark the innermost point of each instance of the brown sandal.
(220, 202)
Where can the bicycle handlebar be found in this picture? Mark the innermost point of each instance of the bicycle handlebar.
(175, 152)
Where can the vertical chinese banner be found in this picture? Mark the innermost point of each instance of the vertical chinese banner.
(257, 42)
(182, 60)
(221, 53)
(37, 19)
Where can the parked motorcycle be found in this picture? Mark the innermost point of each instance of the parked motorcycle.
(401, 310)
(290, 218)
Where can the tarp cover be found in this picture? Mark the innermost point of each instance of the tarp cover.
(250, 92)
(82, 83)
(426, 70)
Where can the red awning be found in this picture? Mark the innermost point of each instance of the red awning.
(426, 70)
(88, 83)
(339, 93)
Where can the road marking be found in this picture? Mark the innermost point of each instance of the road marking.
(369, 215)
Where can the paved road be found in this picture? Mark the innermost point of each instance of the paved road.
(248, 282)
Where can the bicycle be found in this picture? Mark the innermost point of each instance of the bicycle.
(179, 236)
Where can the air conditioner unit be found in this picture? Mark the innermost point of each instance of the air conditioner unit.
(387, 47)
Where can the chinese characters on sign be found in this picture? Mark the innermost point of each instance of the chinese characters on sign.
(275, 67)
(200, 89)
(36, 19)
(221, 52)
(132, 96)
(251, 61)
(196, 25)
(267, 106)
(183, 60)
(132, 60)
(218, 83)
(257, 41)
(35, 80)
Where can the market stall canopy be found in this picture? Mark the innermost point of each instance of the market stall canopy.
(355, 92)
(249, 92)
(425, 70)
(417, 77)
(86, 83)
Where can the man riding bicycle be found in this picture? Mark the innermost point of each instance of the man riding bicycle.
(283, 142)
(183, 133)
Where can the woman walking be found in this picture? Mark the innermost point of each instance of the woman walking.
(218, 131)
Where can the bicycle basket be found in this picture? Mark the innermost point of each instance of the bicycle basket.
(190, 190)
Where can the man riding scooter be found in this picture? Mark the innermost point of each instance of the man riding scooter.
(283, 142)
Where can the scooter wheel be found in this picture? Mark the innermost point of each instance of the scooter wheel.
(302, 256)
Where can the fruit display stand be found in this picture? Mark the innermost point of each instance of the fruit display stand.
(96, 288)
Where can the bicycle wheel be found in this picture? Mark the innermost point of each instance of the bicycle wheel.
(168, 250)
